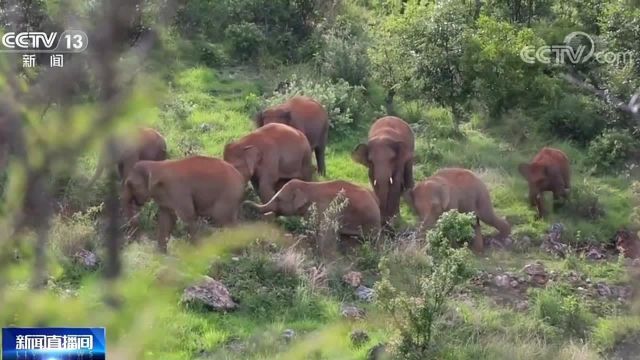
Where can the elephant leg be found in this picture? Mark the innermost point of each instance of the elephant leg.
(187, 213)
(408, 175)
(266, 189)
(322, 170)
(536, 199)
(166, 222)
(224, 213)
(478, 242)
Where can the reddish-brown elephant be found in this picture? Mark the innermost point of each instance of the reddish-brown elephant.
(190, 187)
(548, 171)
(460, 189)
(361, 216)
(389, 157)
(269, 156)
(146, 144)
(306, 115)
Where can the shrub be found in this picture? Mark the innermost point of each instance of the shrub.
(564, 311)
(244, 40)
(583, 201)
(323, 227)
(415, 313)
(345, 104)
(212, 55)
(69, 236)
(573, 117)
(343, 55)
(611, 149)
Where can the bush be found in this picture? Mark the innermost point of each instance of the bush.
(343, 55)
(573, 117)
(212, 55)
(245, 40)
(416, 313)
(323, 227)
(611, 149)
(345, 104)
(563, 311)
(69, 236)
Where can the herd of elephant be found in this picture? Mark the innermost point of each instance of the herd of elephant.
(276, 158)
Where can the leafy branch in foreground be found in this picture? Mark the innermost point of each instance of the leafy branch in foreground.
(416, 314)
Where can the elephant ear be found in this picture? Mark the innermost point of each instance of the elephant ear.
(258, 119)
(286, 117)
(300, 199)
(251, 157)
(525, 170)
(361, 154)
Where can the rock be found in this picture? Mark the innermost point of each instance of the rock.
(502, 281)
(552, 242)
(636, 263)
(353, 278)
(603, 290)
(377, 352)
(624, 293)
(358, 337)
(86, 259)
(595, 253)
(365, 294)
(205, 127)
(352, 312)
(514, 283)
(537, 273)
(522, 305)
(209, 293)
(288, 335)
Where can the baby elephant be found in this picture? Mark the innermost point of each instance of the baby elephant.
(361, 216)
(459, 189)
(190, 187)
(548, 171)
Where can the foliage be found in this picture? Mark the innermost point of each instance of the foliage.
(282, 27)
(244, 39)
(611, 149)
(343, 54)
(415, 314)
(323, 227)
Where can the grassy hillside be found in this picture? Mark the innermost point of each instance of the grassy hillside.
(282, 288)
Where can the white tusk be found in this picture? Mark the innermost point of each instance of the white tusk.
(375, 182)
(391, 181)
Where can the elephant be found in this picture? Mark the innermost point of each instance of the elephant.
(460, 189)
(548, 171)
(361, 215)
(306, 115)
(147, 145)
(189, 187)
(269, 156)
(388, 155)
